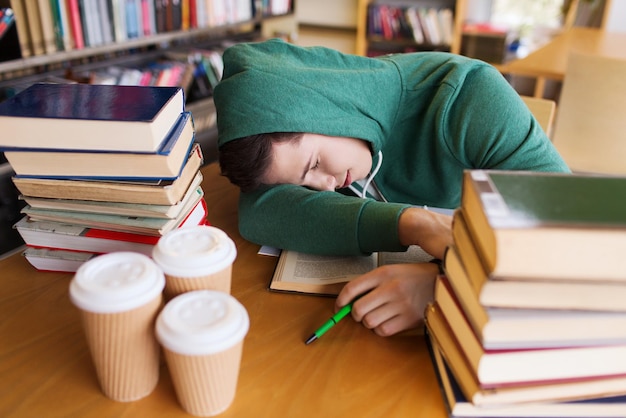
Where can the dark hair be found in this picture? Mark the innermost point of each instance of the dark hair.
(245, 160)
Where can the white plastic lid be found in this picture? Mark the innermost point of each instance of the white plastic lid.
(116, 282)
(194, 251)
(202, 322)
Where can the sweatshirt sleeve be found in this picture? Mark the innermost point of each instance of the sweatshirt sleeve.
(296, 218)
(490, 126)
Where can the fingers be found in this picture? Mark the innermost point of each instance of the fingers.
(387, 311)
(393, 297)
(384, 320)
(357, 287)
(387, 320)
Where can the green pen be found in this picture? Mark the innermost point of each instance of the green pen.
(330, 323)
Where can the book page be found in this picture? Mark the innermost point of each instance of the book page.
(298, 272)
(414, 254)
(317, 269)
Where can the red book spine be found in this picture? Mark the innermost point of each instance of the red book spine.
(122, 236)
(75, 23)
(145, 15)
(193, 14)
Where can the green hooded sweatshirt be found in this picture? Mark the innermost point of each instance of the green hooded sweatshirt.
(430, 114)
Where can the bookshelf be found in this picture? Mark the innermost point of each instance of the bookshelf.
(383, 26)
(258, 19)
(18, 71)
(32, 63)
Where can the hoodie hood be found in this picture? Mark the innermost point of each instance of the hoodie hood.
(275, 86)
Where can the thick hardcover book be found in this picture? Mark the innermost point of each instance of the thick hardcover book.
(528, 367)
(493, 397)
(463, 264)
(166, 163)
(90, 117)
(545, 225)
(59, 235)
(326, 275)
(194, 192)
(549, 401)
(504, 328)
(50, 259)
(193, 215)
(162, 192)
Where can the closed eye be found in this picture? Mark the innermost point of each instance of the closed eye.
(309, 168)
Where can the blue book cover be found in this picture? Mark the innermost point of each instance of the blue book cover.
(89, 101)
(90, 117)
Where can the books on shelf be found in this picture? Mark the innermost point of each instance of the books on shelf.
(423, 25)
(75, 23)
(62, 31)
(464, 398)
(160, 192)
(31, 10)
(62, 25)
(47, 26)
(103, 117)
(326, 275)
(161, 72)
(527, 223)
(166, 163)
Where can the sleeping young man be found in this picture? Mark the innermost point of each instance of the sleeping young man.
(302, 128)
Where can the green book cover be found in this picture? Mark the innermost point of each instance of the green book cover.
(513, 198)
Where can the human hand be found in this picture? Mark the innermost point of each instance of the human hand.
(394, 296)
(432, 231)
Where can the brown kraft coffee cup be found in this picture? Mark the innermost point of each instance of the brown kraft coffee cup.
(195, 258)
(202, 335)
(119, 296)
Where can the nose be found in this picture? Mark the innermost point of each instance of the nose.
(322, 182)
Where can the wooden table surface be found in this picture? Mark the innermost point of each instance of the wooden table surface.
(46, 370)
(550, 61)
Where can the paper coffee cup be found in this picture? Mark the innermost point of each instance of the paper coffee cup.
(202, 334)
(195, 258)
(119, 295)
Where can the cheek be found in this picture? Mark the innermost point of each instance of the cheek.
(366, 162)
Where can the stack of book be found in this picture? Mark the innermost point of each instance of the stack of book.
(529, 318)
(101, 168)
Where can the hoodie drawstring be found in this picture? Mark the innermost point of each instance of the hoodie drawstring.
(370, 178)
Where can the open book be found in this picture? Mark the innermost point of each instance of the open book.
(326, 275)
